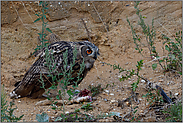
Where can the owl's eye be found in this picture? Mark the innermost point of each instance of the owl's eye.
(88, 51)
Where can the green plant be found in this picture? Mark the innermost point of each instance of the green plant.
(96, 89)
(42, 117)
(67, 77)
(174, 112)
(54, 74)
(42, 17)
(174, 48)
(149, 33)
(7, 113)
(149, 36)
(133, 113)
(129, 73)
(87, 107)
(153, 97)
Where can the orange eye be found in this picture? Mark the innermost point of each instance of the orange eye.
(88, 51)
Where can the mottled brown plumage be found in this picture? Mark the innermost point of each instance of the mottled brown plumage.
(30, 84)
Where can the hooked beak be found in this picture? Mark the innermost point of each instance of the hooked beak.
(96, 54)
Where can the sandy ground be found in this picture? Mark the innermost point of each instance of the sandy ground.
(116, 47)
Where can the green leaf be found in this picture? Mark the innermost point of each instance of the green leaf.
(48, 30)
(144, 96)
(40, 3)
(37, 14)
(136, 107)
(53, 87)
(135, 111)
(160, 61)
(42, 118)
(44, 16)
(167, 48)
(57, 97)
(37, 20)
(59, 92)
(180, 73)
(154, 66)
(69, 92)
(172, 56)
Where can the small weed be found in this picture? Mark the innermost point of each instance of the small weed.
(54, 74)
(7, 113)
(153, 97)
(87, 107)
(171, 62)
(174, 48)
(42, 17)
(42, 117)
(174, 113)
(149, 33)
(95, 90)
(129, 73)
(133, 113)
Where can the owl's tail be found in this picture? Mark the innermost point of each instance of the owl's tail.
(20, 90)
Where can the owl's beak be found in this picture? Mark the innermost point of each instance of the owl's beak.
(96, 54)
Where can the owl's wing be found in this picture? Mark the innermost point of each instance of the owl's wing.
(53, 48)
(30, 83)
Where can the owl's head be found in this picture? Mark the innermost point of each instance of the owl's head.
(89, 52)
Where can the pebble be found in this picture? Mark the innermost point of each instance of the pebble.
(104, 93)
(141, 111)
(67, 112)
(143, 81)
(105, 99)
(161, 80)
(176, 94)
(107, 91)
(94, 98)
(113, 101)
(119, 76)
(111, 94)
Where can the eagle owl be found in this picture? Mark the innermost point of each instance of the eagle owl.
(31, 86)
